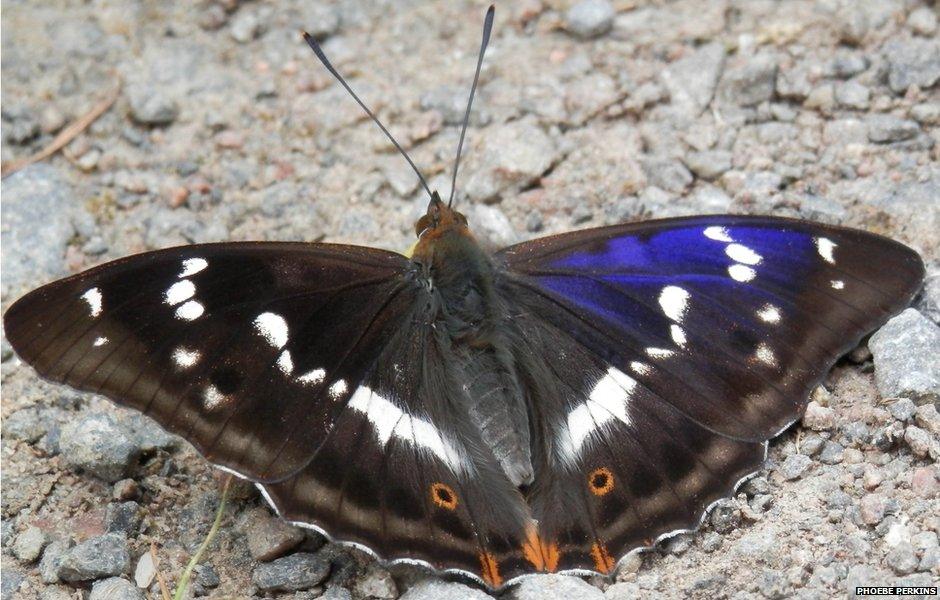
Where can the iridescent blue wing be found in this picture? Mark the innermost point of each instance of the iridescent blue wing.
(660, 356)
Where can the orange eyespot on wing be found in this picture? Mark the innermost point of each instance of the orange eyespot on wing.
(489, 570)
(443, 495)
(602, 559)
(601, 481)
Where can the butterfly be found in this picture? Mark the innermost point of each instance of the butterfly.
(545, 408)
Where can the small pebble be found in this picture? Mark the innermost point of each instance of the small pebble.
(794, 466)
(103, 556)
(818, 418)
(872, 508)
(923, 21)
(903, 409)
(29, 544)
(589, 18)
(115, 588)
(300, 571)
(151, 106)
(919, 441)
(902, 559)
(270, 537)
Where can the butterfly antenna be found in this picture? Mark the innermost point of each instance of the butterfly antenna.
(487, 27)
(329, 67)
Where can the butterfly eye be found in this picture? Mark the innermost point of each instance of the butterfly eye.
(601, 481)
(422, 224)
(443, 495)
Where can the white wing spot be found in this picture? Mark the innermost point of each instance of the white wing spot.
(607, 401)
(313, 377)
(185, 358)
(389, 420)
(93, 298)
(659, 352)
(285, 363)
(180, 292)
(338, 389)
(640, 368)
(190, 310)
(765, 354)
(674, 301)
(191, 266)
(212, 398)
(273, 327)
(769, 313)
(825, 246)
(719, 234)
(743, 254)
(741, 273)
(837, 284)
(678, 335)
(99, 341)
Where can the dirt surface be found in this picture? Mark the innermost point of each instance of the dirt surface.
(227, 128)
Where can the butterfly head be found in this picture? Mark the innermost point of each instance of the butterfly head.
(439, 220)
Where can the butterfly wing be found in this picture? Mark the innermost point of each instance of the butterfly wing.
(248, 351)
(310, 369)
(673, 349)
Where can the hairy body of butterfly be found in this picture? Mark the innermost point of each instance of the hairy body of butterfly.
(545, 409)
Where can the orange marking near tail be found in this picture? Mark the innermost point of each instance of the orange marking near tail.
(489, 570)
(602, 559)
(543, 557)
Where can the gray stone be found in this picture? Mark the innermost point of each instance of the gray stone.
(115, 588)
(920, 442)
(848, 65)
(376, 582)
(433, 589)
(589, 18)
(905, 356)
(691, 80)
(626, 590)
(29, 424)
(884, 129)
(22, 130)
(147, 433)
(104, 556)
(492, 225)
(831, 454)
(122, 517)
(872, 508)
(709, 164)
(508, 159)
(269, 537)
(795, 465)
(541, 587)
(29, 543)
(927, 417)
(151, 105)
(725, 516)
(773, 584)
(667, 173)
(902, 559)
(750, 83)
(246, 26)
(923, 21)
(10, 581)
(37, 223)
(51, 559)
(903, 409)
(927, 113)
(912, 62)
(299, 571)
(451, 102)
(335, 592)
(852, 94)
(320, 20)
(863, 575)
(97, 443)
(818, 417)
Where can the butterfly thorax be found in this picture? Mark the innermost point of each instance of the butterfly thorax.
(474, 326)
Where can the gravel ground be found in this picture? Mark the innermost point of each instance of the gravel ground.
(226, 128)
